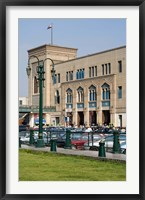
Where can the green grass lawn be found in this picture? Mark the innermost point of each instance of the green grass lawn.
(49, 166)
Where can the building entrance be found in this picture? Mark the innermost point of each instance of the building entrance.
(106, 117)
(120, 121)
(92, 118)
(80, 118)
(70, 117)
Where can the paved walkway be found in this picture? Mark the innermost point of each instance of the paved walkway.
(93, 154)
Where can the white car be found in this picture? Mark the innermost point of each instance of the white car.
(25, 139)
(108, 142)
(88, 130)
(123, 147)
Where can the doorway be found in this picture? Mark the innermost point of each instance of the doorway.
(92, 117)
(80, 118)
(69, 114)
(120, 121)
(106, 117)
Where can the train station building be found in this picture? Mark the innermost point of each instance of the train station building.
(86, 90)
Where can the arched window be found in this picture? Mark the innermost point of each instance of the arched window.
(105, 91)
(92, 93)
(80, 94)
(57, 97)
(35, 85)
(69, 96)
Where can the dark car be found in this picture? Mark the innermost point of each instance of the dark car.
(23, 128)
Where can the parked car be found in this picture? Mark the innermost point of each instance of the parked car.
(25, 139)
(108, 142)
(74, 136)
(78, 139)
(78, 130)
(123, 147)
(86, 137)
(23, 133)
(104, 131)
(23, 128)
(60, 142)
(46, 137)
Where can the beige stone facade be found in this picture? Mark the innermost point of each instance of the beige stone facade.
(86, 90)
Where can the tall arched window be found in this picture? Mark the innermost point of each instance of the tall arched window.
(69, 96)
(92, 93)
(35, 85)
(80, 94)
(105, 91)
(57, 97)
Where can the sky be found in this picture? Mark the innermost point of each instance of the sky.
(87, 35)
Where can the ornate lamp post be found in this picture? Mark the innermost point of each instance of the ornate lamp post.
(40, 72)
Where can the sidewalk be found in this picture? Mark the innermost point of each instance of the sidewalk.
(93, 154)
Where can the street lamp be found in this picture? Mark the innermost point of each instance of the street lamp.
(40, 72)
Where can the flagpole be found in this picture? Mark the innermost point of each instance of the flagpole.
(51, 27)
(51, 34)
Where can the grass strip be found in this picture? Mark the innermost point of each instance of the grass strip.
(50, 166)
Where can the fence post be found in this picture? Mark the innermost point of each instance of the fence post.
(68, 140)
(116, 142)
(31, 141)
(102, 152)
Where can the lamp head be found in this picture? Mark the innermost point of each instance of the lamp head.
(28, 70)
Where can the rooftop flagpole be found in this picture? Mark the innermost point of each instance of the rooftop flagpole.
(51, 27)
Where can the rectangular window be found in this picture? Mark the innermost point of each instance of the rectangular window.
(58, 78)
(109, 65)
(66, 76)
(71, 75)
(36, 85)
(120, 92)
(55, 79)
(92, 71)
(95, 70)
(120, 66)
(83, 73)
(57, 121)
(20, 102)
(89, 71)
(102, 69)
(106, 68)
(120, 121)
(77, 74)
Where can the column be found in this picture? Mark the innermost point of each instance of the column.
(86, 117)
(48, 79)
